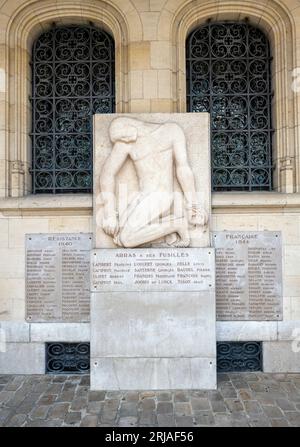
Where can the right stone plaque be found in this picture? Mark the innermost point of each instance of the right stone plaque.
(248, 275)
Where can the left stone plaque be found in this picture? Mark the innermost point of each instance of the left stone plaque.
(57, 277)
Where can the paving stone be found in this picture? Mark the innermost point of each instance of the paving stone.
(184, 421)
(200, 404)
(41, 387)
(272, 411)
(65, 396)
(81, 391)
(252, 407)
(132, 396)
(5, 379)
(239, 385)
(128, 421)
(164, 408)
(5, 414)
(181, 396)
(59, 379)
(114, 395)
(111, 404)
(96, 396)
(205, 418)
(79, 404)
(183, 408)
(58, 411)
(293, 397)
(164, 396)
(40, 412)
(223, 377)
(166, 420)
(223, 420)
(218, 406)
(258, 387)
(215, 395)
(285, 405)
(293, 417)
(234, 405)
(12, 386)
(260, 422)
(73, 418)
(264, 398)
(148, 418)
(95, 407)
(16, 400)
(200, 393)
(147, 404)
(228, 391)
(128, 409)
(47, 423)
(55, 388)
(16, 421)
(85, 380)
(26, 406)
(279, 423)
(245, 394)
(89, 421)
(47, 399)
(147, 394)
(5, 396)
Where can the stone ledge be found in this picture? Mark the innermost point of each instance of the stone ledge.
(281, 357)
(15, 331)
(23, 358)
(64, 332)
(255, 200)
(246, 330)
(68, 202)
(153, 373)
(224, 200)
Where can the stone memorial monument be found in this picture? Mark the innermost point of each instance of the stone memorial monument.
(152, 267)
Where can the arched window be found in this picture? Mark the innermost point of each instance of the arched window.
(72, 78)
(228, 75)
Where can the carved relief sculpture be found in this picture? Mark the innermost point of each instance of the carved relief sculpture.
(159, 153)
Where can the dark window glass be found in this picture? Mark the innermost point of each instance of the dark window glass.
(73, 78)
(228, 75)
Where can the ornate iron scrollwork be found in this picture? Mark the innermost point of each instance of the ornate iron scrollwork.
(73, 78)
(239, 356)
(67, 358)
(228, 75)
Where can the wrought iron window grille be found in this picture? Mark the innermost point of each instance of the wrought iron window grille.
(67, 358)
(72, 78)
(239, 356)
(228, 69)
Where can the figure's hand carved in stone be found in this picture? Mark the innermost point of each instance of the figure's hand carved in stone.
(197, 216)
(155, 150)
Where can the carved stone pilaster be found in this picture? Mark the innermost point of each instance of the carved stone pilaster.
(17, 176)
(286, 167)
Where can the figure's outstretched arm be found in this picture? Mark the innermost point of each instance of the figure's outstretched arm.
(110, 169)
(196, 214)
(184, 172)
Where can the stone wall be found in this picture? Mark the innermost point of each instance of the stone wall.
(150, 77)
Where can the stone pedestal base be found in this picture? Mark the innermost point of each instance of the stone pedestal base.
(153, 340)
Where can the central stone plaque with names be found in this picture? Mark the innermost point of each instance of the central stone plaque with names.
(248, 275)
(57, 277)
(154, 270)
(153, 314)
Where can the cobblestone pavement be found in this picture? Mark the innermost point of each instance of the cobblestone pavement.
(242, 399)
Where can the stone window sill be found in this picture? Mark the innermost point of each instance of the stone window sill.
(83, 202)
